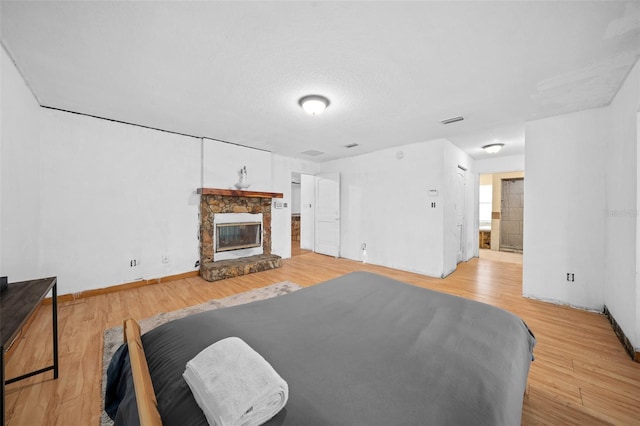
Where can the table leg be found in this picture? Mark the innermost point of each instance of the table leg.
(55, 329)
(2, 385)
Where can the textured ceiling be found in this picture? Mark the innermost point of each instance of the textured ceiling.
(234, 71)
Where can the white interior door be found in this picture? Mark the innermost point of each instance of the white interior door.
(327, 235)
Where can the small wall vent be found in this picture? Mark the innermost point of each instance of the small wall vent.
(351, 145)
(452, 120)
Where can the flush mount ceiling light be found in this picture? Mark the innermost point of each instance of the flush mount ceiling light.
(314, 104)
(493, 148)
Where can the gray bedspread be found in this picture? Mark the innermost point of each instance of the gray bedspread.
(361, 349)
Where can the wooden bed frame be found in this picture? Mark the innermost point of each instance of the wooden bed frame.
(145, 395)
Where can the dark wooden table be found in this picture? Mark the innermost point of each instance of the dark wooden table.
(17, 304)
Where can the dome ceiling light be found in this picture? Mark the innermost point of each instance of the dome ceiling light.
(493, 148)
(314, 104)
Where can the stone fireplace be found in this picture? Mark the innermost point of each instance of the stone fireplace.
(235, 233)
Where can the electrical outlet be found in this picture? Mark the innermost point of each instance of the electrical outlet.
(165, 258)
(570, 277)
(133, 262)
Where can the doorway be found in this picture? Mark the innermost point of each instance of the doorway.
(299, 202)
(315, 213)
(512, 215)
(490, 213)
(296, 204)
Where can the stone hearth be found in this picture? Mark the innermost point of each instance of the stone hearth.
(214, 201)
(214, 271)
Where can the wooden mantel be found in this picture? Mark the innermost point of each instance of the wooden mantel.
(238, 193)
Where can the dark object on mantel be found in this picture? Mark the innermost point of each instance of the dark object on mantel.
(4, 283)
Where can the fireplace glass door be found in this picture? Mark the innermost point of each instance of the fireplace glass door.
(237, 236)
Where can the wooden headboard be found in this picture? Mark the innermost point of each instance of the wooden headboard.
(145, 395)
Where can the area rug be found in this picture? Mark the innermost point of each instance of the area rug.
(113, 336)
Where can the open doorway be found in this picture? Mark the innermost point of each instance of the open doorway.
(315, 213)
(300, 208)
(485, 200)
(501, 205)
(512, 215)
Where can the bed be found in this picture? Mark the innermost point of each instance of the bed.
(361, 349)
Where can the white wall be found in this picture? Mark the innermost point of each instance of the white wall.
(385, 204)
(113, 192)
(564, 225)
(510, 163)
(582, 208)
(621, 267)
(82, 197)
(222, 163)
(19, 176)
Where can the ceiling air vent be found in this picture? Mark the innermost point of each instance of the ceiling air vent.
(452, 120)
(313, 153)
(351, 145)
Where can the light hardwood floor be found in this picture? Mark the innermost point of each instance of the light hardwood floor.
(296, 250)
(501, 256)
(581, 374)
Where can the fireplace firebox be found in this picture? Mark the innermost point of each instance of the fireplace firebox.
(236, 236)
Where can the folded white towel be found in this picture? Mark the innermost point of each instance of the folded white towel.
(235, 385)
